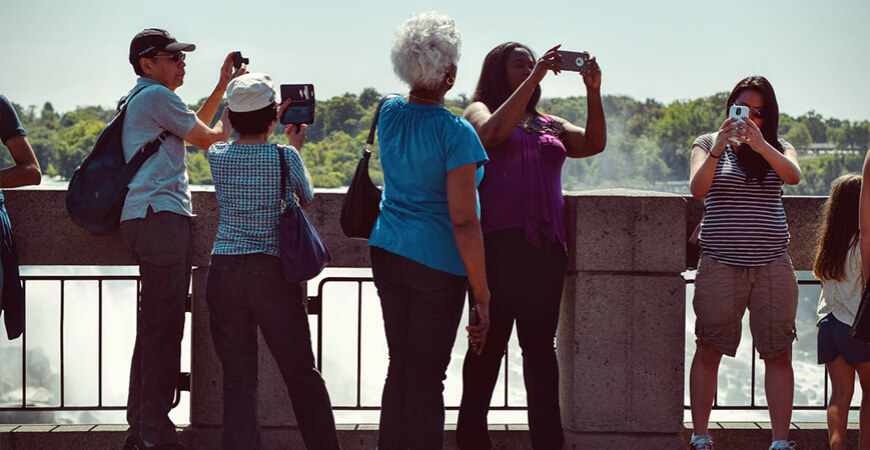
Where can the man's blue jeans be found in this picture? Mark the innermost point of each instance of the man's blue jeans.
(421, 308)
(246, 291)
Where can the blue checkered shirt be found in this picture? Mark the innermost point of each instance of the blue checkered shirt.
(247, 181)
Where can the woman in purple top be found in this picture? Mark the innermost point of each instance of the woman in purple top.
(524, 234)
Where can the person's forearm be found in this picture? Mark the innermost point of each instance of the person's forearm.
(20, 175)
(26, 170)
(864, 219)
(703, 169)
(596, 127)
(787, 170)
(501, 123)
(469, 240)
(208, 109)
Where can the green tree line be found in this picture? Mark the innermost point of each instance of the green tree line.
(648, 142)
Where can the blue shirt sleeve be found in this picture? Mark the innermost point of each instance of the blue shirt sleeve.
(169, 112)
(465, 148)
(10, 126)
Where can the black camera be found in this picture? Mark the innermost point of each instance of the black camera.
(238, 60)
(301, 109)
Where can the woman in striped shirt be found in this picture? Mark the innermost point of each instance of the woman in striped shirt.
(739, 171)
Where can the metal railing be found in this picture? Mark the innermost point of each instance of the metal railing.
(184, 378)
(753, 404)
(315, 308)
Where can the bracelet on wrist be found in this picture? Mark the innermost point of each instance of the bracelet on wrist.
(715, 156)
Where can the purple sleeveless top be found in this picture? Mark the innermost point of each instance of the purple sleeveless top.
(522, 184)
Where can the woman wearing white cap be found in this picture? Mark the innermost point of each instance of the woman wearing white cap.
(246, 288)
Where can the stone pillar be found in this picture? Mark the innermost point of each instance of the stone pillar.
(621, 334)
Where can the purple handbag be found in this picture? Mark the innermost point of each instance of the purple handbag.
(303, 254)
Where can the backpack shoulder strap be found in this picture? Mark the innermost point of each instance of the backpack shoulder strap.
(152, 146)
(122, 103)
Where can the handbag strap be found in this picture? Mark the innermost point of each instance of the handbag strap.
(370, 140)
(283, 161)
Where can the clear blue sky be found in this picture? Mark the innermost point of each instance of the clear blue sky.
(817, 54)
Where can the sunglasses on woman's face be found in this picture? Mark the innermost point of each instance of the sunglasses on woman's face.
(757, 113)
(174, 57)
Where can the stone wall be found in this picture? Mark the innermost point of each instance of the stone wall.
(621, 334)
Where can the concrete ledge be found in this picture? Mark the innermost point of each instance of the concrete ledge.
(351, 437)
(598, 441)
(743, 435)
(727, 435)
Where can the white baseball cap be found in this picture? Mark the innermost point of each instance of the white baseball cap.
(250, 92)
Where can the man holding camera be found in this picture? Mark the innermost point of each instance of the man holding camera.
(156, 224)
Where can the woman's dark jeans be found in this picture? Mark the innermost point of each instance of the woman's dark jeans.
(246, 291)
(525, 283)
(421, 307)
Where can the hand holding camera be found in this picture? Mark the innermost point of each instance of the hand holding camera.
(230, 70)
(238, 60)
(301, 107)
(478, 325)
(583, 63)
(573, 61)
(738, 114)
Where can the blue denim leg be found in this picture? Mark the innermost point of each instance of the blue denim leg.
(246, 291)
(421, 309)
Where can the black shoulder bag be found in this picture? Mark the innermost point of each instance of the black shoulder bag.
(361, 204)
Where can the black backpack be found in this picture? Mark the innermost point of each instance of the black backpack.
(96, 192)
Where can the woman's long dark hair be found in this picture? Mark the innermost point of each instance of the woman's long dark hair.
(752, 162)
(838, 232)
(492, 87)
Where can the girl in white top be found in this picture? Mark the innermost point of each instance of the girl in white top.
(838, 266)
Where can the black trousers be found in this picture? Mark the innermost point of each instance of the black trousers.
(421, 309)
(245, 292)
(525, 283)
(163, 247)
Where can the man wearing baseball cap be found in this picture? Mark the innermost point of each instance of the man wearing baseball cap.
(156, 224)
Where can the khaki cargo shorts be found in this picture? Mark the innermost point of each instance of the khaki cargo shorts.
(724, 292)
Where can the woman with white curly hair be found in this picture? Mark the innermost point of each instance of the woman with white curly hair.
(427, 245)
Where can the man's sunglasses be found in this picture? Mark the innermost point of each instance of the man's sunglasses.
(174, 57)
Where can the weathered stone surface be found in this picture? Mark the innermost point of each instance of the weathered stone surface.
(45, 235)
(626, 231)
(604, 441)
(620, 345)
(621, 333)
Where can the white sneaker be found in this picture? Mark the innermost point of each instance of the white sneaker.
(702, 442)
(787, 445)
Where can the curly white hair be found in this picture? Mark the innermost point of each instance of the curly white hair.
(424, 48)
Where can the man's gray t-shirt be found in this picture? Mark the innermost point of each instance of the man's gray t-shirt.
(161, 182)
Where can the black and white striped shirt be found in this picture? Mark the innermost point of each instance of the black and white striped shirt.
(744, 221)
